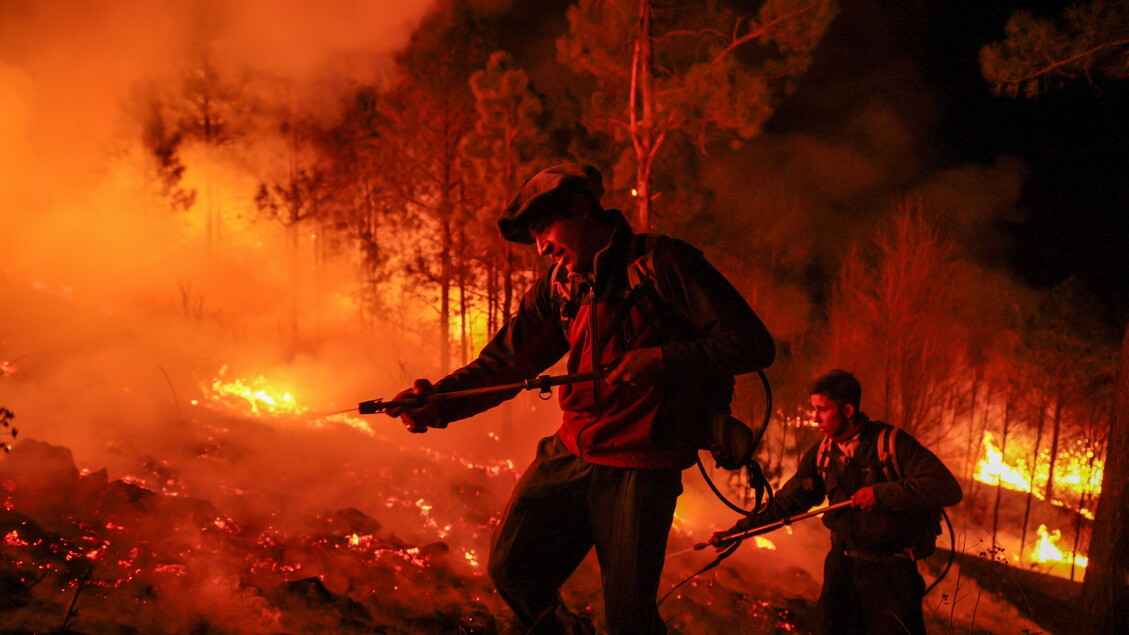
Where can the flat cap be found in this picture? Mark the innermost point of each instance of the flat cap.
(547, 191)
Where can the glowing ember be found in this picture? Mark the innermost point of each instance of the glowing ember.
(12, 539)
(1047, 551)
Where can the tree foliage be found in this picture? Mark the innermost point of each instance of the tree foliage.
(694, 70)
(505, 148)
(896, 318)
(1040, 54)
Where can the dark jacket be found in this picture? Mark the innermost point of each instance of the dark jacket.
(909, 508)
(706, 330)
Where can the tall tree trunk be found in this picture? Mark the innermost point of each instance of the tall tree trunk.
(1105, 593)
(984, 427)
(642, 115)
(1034, 467)
(968, 458)
(445, 276)
(491, 297)
(1003, 457)
(1056, 428)
(464, 333)
(295, 284)
(212, 217)
(1091, 432)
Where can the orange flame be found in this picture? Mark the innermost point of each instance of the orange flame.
(256, 395)
(994, 470)
(1047, 551)
(258, 398)
(1077, 472)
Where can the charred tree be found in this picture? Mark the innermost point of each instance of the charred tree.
(293, 195)
(365, 206)
(504, 149)
(999, 487)
(1105, 592)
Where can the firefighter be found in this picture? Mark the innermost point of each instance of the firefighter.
(673, 332)
(897, 489)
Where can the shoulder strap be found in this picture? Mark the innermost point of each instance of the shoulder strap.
(567, 305)
(888, 454)
(641, 268)
(823, 457)
(641, 291)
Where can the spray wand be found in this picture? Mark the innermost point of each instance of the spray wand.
(726, 545)
(763, 529)
(544, 384)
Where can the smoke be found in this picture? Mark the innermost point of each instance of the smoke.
(72, 191)
(114, 274)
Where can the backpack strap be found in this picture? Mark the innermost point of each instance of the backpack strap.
(562, 289)
(888, 454)
(640, 288)
(823, 458)
(642, 267)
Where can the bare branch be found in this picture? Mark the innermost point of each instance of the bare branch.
(752, 35)
(1054, 65)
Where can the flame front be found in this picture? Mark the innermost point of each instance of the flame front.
(1047, 551)
(255, 395)
(1078, 473)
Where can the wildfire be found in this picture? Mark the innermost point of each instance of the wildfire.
(255, 396)
(764, 543)
(12, 539)
(1047, 551)
(995, 471)
(1077, 472)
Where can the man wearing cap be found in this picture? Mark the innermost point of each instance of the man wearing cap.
(671, 331)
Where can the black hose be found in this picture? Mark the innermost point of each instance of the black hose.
(952, 554)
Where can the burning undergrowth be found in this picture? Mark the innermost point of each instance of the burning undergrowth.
(150, 552)
(173, 547)
(165, 550)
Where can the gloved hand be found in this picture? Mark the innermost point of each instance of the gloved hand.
(420, 418)
(744, 524)
(864, 499)
(718, 536)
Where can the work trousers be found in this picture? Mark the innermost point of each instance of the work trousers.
(560, 509)
(871, 595)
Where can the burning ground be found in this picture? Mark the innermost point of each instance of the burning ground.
(226, 505)
(163, 550)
